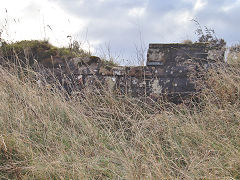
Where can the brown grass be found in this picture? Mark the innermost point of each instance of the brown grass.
(44, 136)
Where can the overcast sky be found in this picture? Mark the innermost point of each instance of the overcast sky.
(119, 26)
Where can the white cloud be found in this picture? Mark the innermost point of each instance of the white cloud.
(13, 6)
(136, 12)
(227, 8)
(200, 4)
(183, 17)
(33, 19)
(197, 4)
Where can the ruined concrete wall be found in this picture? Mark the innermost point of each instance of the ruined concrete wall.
(167, 71)
(176, 54)
(139, 81)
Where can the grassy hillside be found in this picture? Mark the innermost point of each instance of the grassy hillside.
(45, 136)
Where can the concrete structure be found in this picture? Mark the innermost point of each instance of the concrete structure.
(167, 71)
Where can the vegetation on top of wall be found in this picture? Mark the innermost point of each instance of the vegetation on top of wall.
(208, 35)
(27, 51)
(187, 41)
(108, 64)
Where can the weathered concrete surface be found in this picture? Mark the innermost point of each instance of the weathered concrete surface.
(172, 54)
(167, 71)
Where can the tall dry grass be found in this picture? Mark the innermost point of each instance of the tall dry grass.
(45, 136)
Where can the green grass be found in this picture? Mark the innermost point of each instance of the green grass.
(44, 136)
(28, 51)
